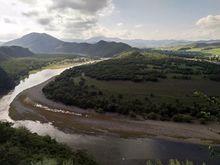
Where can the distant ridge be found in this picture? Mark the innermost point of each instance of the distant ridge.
(140, 43)
(14, 51)
(42, 43)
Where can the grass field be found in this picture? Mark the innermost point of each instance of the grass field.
(215, 51)
(167, 90)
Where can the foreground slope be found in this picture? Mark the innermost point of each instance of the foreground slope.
(19, 146)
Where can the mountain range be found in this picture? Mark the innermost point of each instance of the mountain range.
(140, 43)
(41, 43)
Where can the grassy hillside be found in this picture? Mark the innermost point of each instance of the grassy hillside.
(19, 146)
(147, 85)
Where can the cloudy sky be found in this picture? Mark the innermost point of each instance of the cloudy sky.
(130, 19)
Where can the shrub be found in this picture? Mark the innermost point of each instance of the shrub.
(182, 118)
(153, 116)
(203, 121)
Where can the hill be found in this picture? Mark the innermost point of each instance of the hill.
(36, 42)
(145, 85)
(6, 82)
(14, 51)
(100, 49)
(44, 43)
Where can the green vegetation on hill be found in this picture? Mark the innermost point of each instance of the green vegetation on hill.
(20, 147)
(6, 83)
(142, 85)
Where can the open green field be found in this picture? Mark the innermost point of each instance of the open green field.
(215, 51)
(168, 90)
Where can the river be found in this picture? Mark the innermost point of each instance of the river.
(107, 150)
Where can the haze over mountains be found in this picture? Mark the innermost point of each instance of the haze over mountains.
(41, 43)
(140, 43)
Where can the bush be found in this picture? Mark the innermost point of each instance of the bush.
(203, 121)
(153, 116)
(182, 118)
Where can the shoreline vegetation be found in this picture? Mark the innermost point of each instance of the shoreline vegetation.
(17, 69)
(19, 146)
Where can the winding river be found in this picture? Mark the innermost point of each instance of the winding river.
(106, 149)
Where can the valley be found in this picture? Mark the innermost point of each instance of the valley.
(109, 82)
(132, 95)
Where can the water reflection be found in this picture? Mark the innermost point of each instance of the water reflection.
(32, 80)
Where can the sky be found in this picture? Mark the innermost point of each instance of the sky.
(127, 19)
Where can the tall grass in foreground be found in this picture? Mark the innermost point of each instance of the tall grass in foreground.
(171, 162)
(52, 161)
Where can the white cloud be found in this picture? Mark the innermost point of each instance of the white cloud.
(138, 26)
(61, 18)
(211, 21)
(120, 24)
(208, 27)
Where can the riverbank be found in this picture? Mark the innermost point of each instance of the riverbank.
(33, 105)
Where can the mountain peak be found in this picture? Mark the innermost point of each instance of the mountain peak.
(39, 35)
(36, 42)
